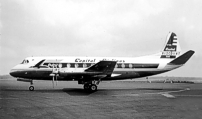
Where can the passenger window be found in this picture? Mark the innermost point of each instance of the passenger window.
(123, 65)
(60, 65)
(76, 65)
(72, 65)
(119, 66)
(126, 65)
(68, 65)
(116, 66)
(84, 65)
(89, 64)
(130, 65)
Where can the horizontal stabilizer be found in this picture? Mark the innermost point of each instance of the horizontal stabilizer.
(105, 67)
(183, 58)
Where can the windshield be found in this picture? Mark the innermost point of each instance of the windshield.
(25, 62)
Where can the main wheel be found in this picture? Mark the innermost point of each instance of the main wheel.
(31, 88)
(93, 87)
(86, 86)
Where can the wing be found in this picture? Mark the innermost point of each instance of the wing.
(99, 70)
(102, 68)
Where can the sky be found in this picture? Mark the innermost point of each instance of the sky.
(111, 28)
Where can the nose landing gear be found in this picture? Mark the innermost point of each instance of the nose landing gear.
(31, 88)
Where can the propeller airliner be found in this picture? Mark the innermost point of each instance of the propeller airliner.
(89, 71)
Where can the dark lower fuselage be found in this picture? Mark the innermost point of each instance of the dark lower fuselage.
(38, 74)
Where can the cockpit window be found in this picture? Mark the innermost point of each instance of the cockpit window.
(25, 62)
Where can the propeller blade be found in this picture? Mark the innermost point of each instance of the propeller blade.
(56, 79)
(58, 71)
(53, 81)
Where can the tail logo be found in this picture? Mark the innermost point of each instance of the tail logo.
(171, 49)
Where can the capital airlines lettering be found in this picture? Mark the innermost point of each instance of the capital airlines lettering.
(84, 60)
(94, 60)
(113, 60)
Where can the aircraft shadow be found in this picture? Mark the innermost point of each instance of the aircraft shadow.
(69, 91)
(77, 91)
(167, 89)
(82, 92)
(36, 90)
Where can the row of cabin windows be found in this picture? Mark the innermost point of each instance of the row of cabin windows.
(119, 65)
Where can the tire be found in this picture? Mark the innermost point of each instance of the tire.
(31, 88)
(93, 87)
(86, 86)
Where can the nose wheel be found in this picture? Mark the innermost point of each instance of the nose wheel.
(31, 88)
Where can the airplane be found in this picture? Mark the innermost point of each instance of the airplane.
(89, 71)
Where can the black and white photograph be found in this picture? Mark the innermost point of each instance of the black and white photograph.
(103, 59)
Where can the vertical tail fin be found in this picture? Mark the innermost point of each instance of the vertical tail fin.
(172, 48)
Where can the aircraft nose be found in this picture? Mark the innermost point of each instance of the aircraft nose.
(13, 73)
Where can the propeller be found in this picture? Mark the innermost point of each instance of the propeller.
(56, 78)
(53, 80)
(55, 74)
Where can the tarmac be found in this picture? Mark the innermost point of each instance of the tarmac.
(114, 100)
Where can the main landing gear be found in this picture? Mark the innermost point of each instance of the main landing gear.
(90, 87)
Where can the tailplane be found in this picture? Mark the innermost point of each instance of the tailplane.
(172, 48)
(183, 58)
